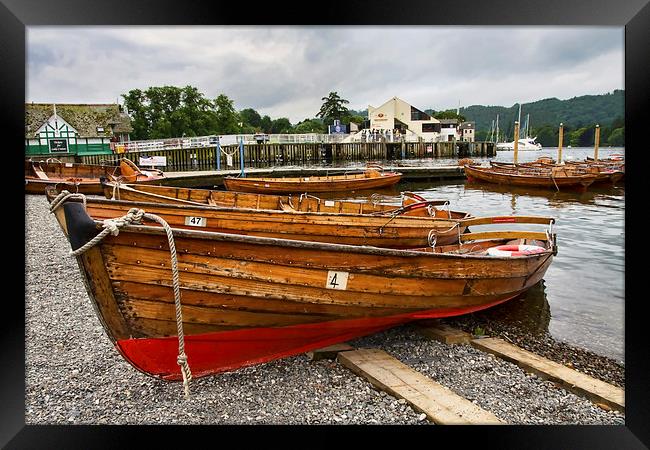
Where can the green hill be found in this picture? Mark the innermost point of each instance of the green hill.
(575, 113)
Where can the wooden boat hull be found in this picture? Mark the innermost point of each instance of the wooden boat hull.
(247, 300)
(354, 229)
(336, 183)
(531, 179)
(412, 204)
(82, 178)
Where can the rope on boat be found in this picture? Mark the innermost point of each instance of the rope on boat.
(112, 226)
(433, 234)
(63, 196)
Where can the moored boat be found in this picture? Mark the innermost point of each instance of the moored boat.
(604, 174)
(371, 178)
(239, 300)
(382, 230)
(555, 178)
(82, 178)
(412, 204)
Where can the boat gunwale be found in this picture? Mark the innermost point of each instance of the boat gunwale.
(577, 178)
(326, 246)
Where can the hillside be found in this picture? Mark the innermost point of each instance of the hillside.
(577, 112)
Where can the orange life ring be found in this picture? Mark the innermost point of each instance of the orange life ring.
(515, 250)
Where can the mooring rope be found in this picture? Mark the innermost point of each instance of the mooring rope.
(63, 196)
(112, 226)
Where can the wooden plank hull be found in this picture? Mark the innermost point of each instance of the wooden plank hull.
(336, 183)
(354, 229)
(82, 178)
(412, 205)
(249, 299)
(528, 178)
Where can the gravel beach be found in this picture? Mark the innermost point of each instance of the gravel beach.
(74, 375)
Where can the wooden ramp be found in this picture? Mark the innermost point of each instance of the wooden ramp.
(441, 405)
(595, 390)
(443, 333)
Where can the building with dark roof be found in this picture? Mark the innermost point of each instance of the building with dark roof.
(68, 129)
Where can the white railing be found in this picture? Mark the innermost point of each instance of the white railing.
(225, 140)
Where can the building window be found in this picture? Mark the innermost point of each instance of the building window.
(416, 114)
(431, 128)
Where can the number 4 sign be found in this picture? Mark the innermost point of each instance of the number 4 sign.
(337, 280)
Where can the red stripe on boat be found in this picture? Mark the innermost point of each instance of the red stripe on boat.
(503, 220)
(222, 351)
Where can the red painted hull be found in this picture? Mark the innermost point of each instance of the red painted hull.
(223, 351)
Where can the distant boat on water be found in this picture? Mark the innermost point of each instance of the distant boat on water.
(524, 144)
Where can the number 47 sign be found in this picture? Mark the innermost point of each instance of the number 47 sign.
(337, 280)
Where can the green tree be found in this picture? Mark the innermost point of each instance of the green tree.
(134, 102)
(333, 107)
(310, 126)
(266, 124)
(251, 117)
(449, 114)
(281, 126)
(226, 117)
(617, 137)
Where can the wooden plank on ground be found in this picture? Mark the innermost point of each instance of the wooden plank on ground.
(328, 352)
(441, 405)
(444, 333)
(595, 390)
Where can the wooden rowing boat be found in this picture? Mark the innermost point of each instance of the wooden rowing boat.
(248, 299)
(555, 178)
(412, 204)
(381, 230)
(370, 179)
(604, 174)
(82, 178)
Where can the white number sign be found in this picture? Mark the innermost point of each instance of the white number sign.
(195, 221)
(337, 280)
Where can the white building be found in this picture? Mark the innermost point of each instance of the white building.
(400, 118)
(466, 131)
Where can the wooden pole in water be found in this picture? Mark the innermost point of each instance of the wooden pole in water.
(516, 142)
(559, 145)
(596, 142)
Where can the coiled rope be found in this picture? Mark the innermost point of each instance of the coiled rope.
(112, 226)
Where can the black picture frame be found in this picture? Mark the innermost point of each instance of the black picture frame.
(634, 15)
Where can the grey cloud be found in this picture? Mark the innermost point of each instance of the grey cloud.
(286, 70)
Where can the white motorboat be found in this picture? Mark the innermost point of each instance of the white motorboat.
(524, 144)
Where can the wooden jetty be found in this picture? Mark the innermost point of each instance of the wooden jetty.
(265, 155)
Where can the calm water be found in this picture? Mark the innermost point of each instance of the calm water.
(581, 300)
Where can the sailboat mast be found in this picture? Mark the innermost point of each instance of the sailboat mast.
(497, 133)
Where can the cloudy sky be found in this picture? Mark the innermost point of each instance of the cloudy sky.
(285, 71)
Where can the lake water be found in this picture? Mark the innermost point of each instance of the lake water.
(584, 286)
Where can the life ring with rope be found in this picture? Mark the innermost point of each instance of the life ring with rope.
(515, 250)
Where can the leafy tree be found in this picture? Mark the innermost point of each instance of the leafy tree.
(251, 117)
(226, 118)
(449, 114)
(266, 124)
(134, 102)
(617, 138)
(281, 126)
(333, 107)
(310, 126)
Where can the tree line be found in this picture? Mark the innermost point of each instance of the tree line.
(170, 111)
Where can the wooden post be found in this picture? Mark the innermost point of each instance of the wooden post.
(596, 142)
(559, 145)
(516, 142)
